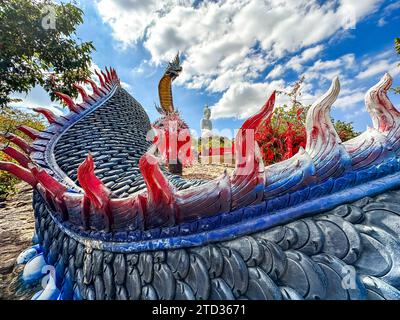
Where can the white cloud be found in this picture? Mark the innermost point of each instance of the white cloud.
(346, 61)
(351, 116)
(379, 67)
(381, 22)
(276, 72)
(243, 99)
(227, 45)
(350, 100)
(324, 71)
(388, 11)
(126, 86)
(217, 37)
(129, 19)
(37, 97)
(296, 63)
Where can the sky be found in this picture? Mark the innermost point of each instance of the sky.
(234, 53)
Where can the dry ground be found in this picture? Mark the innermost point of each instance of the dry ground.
(206, 172)
(16, 231)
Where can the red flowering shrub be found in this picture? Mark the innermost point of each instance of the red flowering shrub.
(283, 133)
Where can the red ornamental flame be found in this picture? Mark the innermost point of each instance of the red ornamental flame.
(105, 76)
(49, 183)
(108, 74)
(30, 132)
(82, 92)
(50, 116)
(21, 158)
(246, 135)
(68, 101)
(95, 190)
(19, 172)
(101, 79)
(158, 187)
(94, 86)
(18, 141)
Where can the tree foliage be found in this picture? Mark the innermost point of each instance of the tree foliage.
(32, 52)
(10, 118)
(38, 46)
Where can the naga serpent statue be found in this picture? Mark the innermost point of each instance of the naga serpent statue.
(170, 127)
(114, 224)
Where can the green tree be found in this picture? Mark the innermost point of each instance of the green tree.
(38, 46)
(345, 130)
(10, 118)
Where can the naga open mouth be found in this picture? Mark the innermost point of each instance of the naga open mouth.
(174, 73)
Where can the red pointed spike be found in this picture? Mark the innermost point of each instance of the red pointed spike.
(50, 116)
(158, 187)
(116, 76)
(160, 205)
(113, 74)
(21, 158)
(109, 74)
(102, 82)
(95, 191)
(68, 101)
(30, 132)
(252, 124)
(48, 182)
(18, 141)
(82, 92)
(247, 154)
(55, 191)
(95, 88)
(105, 77)
(19, 172)
(254, 121)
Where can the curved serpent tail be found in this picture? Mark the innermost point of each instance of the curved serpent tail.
(323, 224)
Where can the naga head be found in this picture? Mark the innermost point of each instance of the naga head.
(174, 68)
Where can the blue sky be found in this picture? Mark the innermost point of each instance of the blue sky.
(235, 52)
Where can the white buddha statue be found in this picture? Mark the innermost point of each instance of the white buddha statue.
(206, 124)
